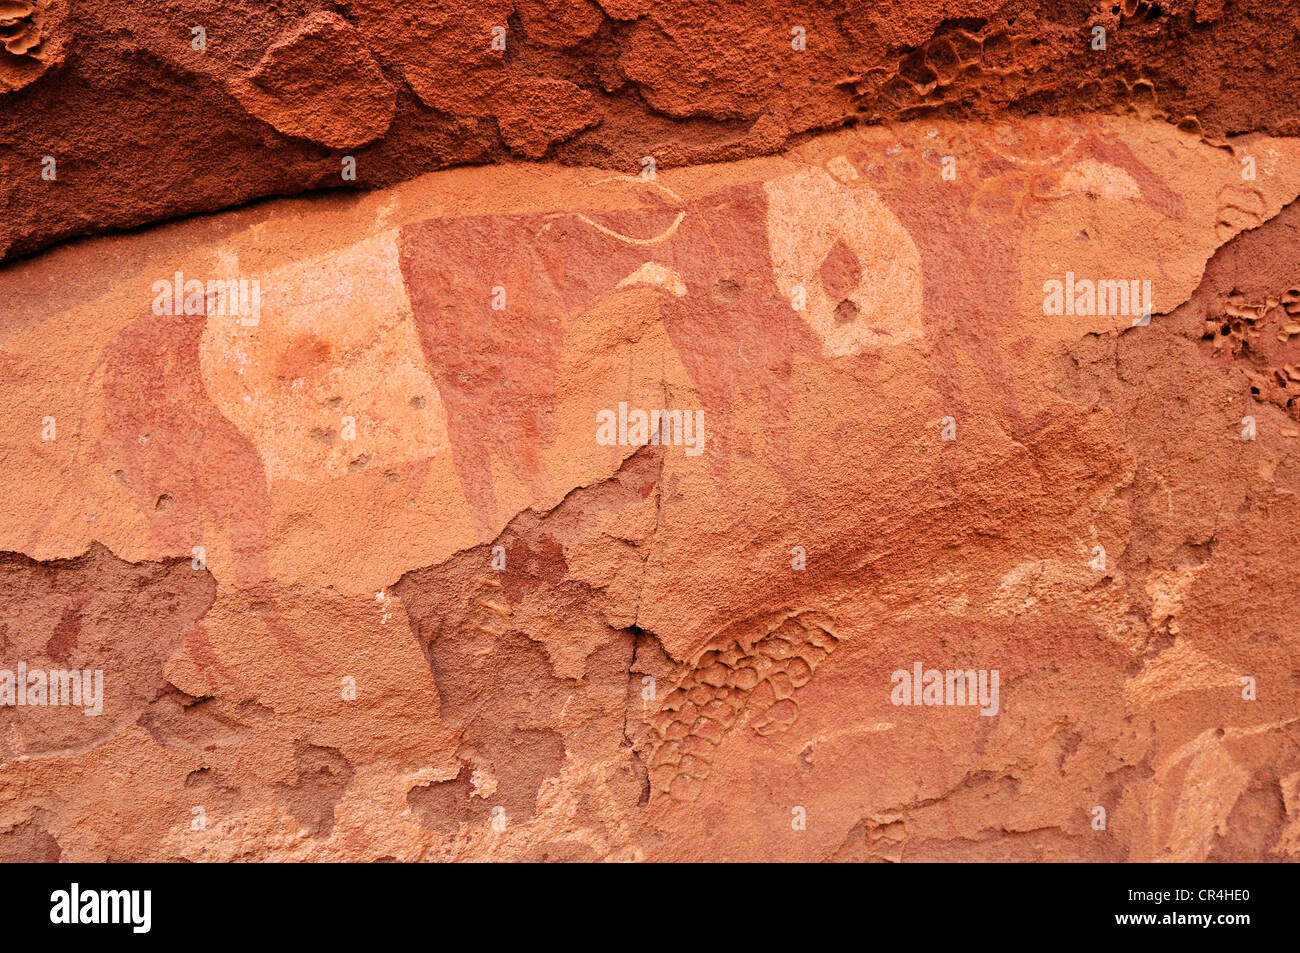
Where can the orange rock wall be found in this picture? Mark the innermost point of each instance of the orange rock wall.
(149, 119)
(343, 496)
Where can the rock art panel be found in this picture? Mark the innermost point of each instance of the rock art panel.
(754, 680)
(725, 267)
(352, 499)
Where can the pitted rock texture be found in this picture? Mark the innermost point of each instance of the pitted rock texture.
(752, 678)
(319, 485)
(154, 109)
(33, 35)
(351, 106)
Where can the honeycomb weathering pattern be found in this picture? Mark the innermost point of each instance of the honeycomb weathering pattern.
(31, 41)
(752, 681)
(20, 33)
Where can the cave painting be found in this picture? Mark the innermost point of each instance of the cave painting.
(393, 337)
(396, 337)
(729, 267)
(970, 227)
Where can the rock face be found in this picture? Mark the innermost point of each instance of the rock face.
(966, 531)
(156, 109)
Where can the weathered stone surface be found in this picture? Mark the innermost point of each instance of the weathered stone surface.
(351, 106)
(388, 475)
(148, 119)
(33, 39)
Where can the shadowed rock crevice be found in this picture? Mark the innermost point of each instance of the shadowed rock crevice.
(496, 641)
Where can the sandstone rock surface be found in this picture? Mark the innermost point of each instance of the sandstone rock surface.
(156, 109)
(365, 582)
